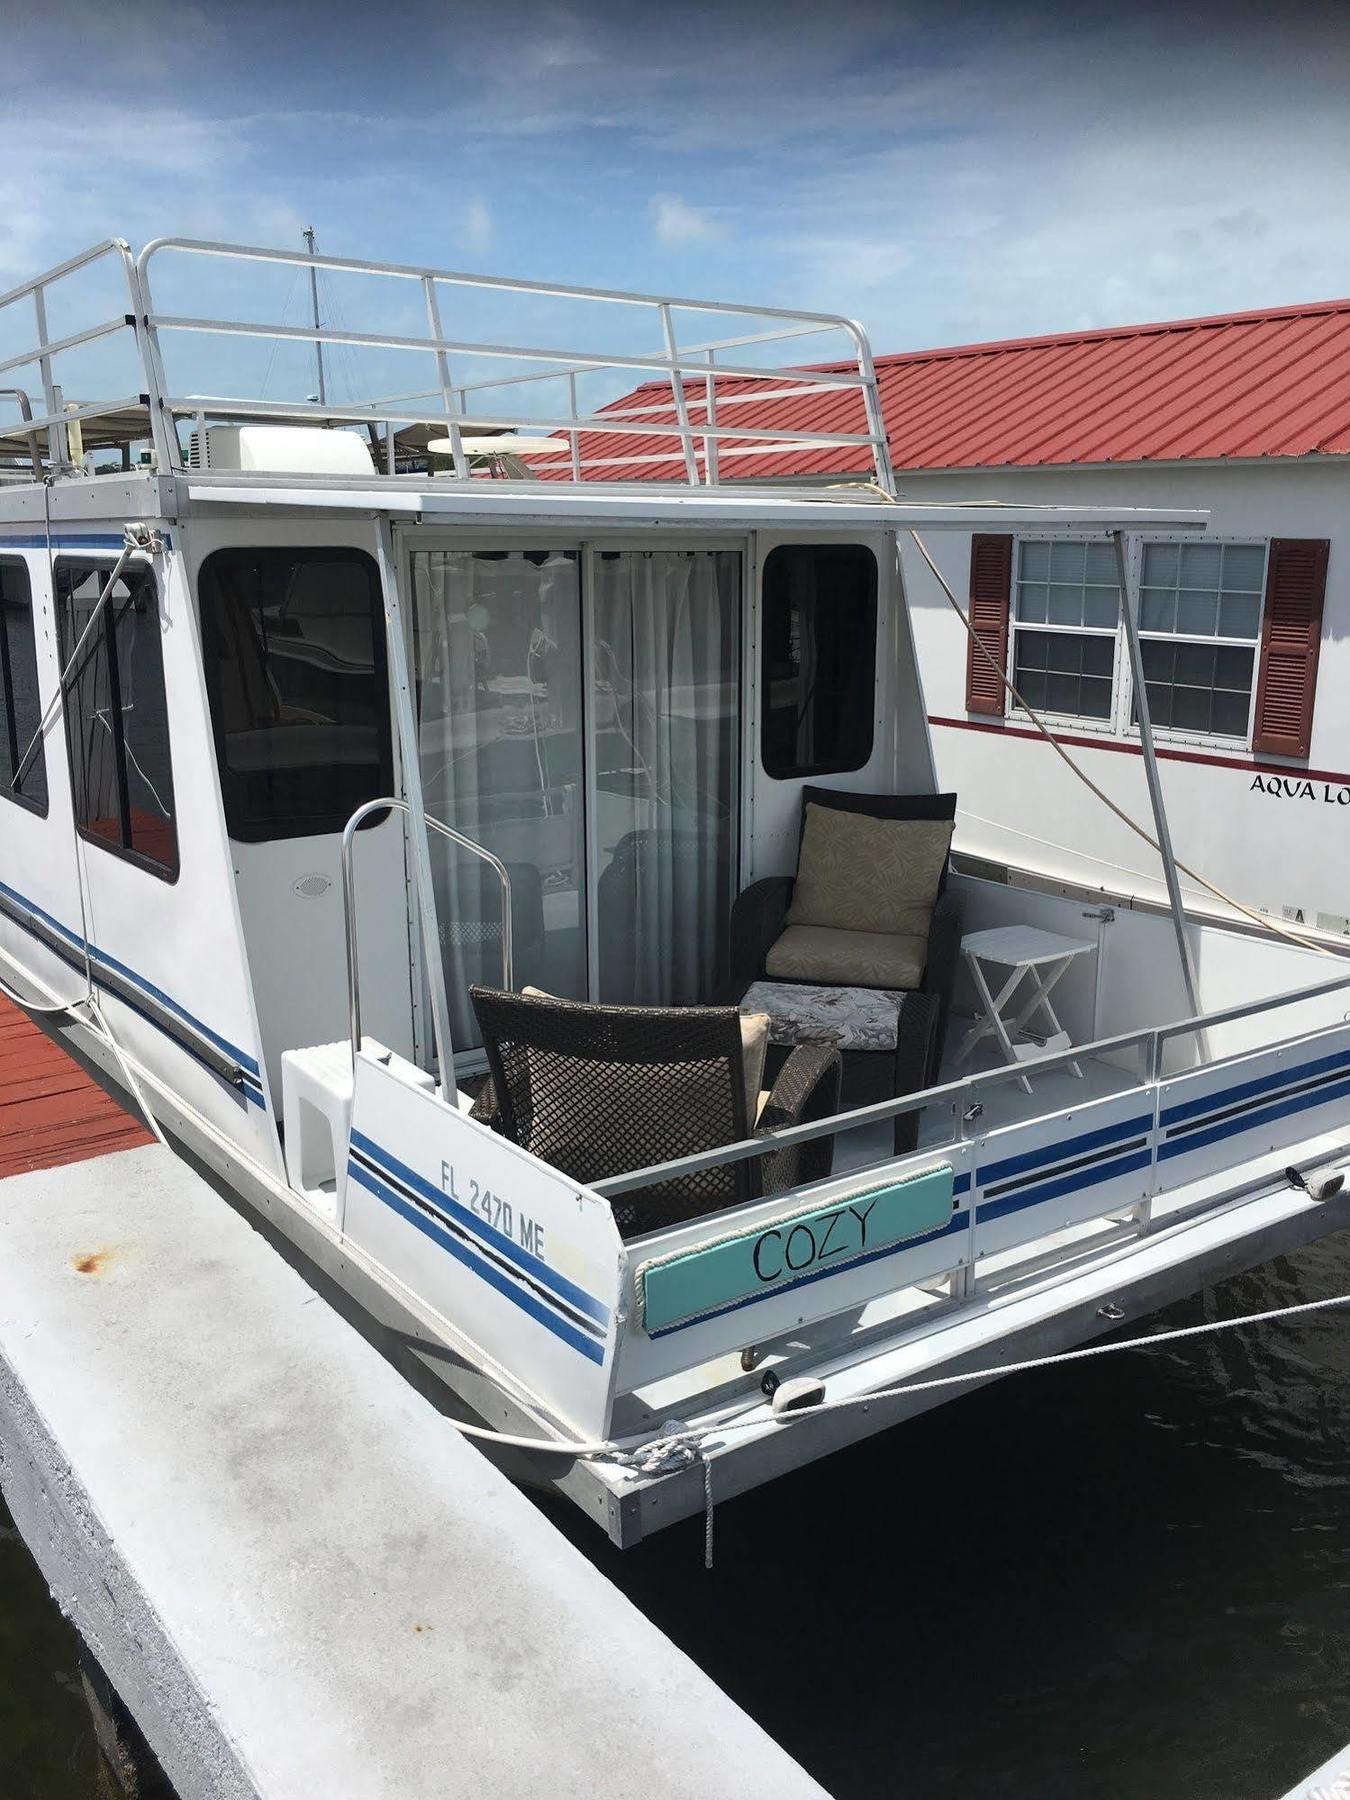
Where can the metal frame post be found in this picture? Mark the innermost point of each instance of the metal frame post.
(405, 719)
(1128, 607)
(50, 399)
(710, 408)
(574, 437)
(433, 305)
(677, 394)
(308, 235)
(163, 429)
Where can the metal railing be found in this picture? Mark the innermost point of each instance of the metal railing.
(962, 1095)
(688, 373)
(45, 350)
(481, 851)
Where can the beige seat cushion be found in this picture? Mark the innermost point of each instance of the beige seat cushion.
(852, 958)
(858, 874)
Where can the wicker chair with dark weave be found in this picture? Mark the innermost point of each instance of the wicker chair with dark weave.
(598, 1091)
(922, 995)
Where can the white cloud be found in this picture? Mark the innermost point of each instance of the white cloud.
(478, 226)
(674, 222)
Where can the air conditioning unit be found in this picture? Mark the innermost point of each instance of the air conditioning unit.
(281, 450)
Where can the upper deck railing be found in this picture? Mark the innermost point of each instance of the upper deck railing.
(476, 387)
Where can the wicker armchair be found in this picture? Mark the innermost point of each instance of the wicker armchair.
(601, 1090)
(758, 918)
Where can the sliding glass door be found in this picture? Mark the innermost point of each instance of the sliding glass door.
(578, 716)
(497, 651)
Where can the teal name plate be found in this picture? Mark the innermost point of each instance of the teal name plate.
(695, 1283)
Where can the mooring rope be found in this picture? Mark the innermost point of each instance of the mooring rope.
(680, 1446)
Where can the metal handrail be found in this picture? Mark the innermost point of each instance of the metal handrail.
(55, 415)
(678, 365)
(881, 1111)
(25, 406)
(349, 907)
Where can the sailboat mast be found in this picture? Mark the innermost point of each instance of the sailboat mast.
(308, 235)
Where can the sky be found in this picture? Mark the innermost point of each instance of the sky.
(944, 173)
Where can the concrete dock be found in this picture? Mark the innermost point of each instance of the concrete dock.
(298, 1577)
(1331, 1781)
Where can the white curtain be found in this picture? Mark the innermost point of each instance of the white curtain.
(666, 629)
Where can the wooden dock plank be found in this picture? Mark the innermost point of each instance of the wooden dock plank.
(51, 1112)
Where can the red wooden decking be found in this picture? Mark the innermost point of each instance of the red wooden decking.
(51, 1112)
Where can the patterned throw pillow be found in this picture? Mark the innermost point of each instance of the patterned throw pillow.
(862, 874)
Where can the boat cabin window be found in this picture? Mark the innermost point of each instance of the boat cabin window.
(117, 723)
(818, 631)
(293, 642)
(1199, 628)
(20, 711)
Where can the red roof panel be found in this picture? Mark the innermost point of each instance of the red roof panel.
(1259, 384)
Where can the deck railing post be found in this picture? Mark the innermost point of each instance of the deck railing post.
(574, 436)
(51, 400)
(677, 391)
(710, 469)
(163, 429)
(876, 422)
(460, 460)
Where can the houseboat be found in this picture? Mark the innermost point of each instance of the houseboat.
(430, 849)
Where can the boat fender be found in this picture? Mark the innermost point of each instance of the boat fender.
(797, 1395)
(1317, 1184)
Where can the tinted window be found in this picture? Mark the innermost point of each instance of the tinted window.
(20, 712)
(295, 674)
(117, 726)
(818, 637)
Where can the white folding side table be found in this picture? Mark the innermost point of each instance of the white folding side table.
(1023, 950)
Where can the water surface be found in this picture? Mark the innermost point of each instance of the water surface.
(47, 1747)
(1128, 1579)
(1124, 1578)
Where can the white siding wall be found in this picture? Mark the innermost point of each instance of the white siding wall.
(1272, 851)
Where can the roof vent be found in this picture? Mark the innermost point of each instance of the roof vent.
(282, 450)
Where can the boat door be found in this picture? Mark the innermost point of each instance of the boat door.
(294, 657)
(578, 716)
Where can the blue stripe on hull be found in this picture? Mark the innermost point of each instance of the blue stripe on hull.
(589, 1347)
(1264, 1084)
(247, 1064)
(1251, 1120)
(1081, 1145)
(1066, 1184)
(505, 1246)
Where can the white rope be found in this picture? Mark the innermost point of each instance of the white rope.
(681, 1445)
(707, 1514)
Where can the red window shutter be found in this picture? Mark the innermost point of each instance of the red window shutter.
(990, 588)
(1291, 639)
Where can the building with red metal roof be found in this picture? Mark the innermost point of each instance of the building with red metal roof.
(1274, 383)
(1244, 417)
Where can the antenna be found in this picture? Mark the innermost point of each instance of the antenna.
(308, 235)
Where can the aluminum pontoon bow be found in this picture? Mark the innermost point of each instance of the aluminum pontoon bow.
(231, 624)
